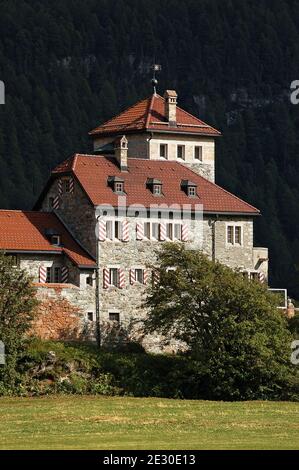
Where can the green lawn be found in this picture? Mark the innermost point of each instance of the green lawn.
(76, 422)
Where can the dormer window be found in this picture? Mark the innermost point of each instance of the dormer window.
(55, 240)
(189, 188)
(155, 186)
(116, 184)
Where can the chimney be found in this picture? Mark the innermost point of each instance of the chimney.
(170, 97)
(121, 152)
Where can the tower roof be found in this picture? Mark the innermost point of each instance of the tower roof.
(149, 115)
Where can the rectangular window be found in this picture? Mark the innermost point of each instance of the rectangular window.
(169, 231)
(114, 316)
(198, 153)
(234, 235)
(90, 316)
(155, 231)
(192, 191)
(55, 240)
(157, 189)
(177, 231)
(89, 281)
(163, 151)
(113, 230)
(181, 152)
(48, 278)
(238, 240)
(51, 202)
(113, 277)
(139, 275)
(147, 230)
(57, 275)
(15, 260)
(66, 186)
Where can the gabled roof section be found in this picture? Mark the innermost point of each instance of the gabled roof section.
(149, 115)
(92, 173)
(25, 231)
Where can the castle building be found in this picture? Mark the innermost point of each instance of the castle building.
(150, 179)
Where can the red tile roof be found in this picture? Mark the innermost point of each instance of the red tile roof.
(25, 231)
(149, 115)
(92, 173)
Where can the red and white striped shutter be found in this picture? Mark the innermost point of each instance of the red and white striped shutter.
(64, 274)
(185, 233)
(145, 276)
(139, 231)
(72, 185)
(262, 277)
(132, 276)
(42, 274)
(60, 186)
(102, 230)
(56, 202)
(125, 230)
(156, 277)
(105, 278)
(121, 278)
(162, 232)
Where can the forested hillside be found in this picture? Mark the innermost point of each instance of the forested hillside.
(69, 65)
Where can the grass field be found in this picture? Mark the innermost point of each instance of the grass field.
(151, 423)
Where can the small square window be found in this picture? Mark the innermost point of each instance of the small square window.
(119, 187)
(192, 191)
(55, 240)
(114, 316)
(198, 153)
(163, 150)
(181, 151)
(157, 189)
(89, 281)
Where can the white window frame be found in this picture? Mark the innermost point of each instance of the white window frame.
(113, 231)
(117, 275)
(234, 225)
(174, 238)
(114, 312)
(183, 152)
(201, 153)
(166, 151)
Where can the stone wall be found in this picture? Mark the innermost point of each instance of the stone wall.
(77, 213)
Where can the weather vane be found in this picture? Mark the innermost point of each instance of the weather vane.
(154, 81)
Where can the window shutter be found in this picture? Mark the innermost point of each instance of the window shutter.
(105, 278)
(145, 276)
(102, 230)
(64, 274)
(162, 232)
(132, 276)
(185, 233)
(56, 202)
(139, 231)
(125, 231)
(156, 277)
(60, 186)
(121, 278)
(72, 185)
(262, 277)
(42, 274)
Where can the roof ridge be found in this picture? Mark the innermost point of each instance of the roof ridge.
(220, 187)
(104, 124)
